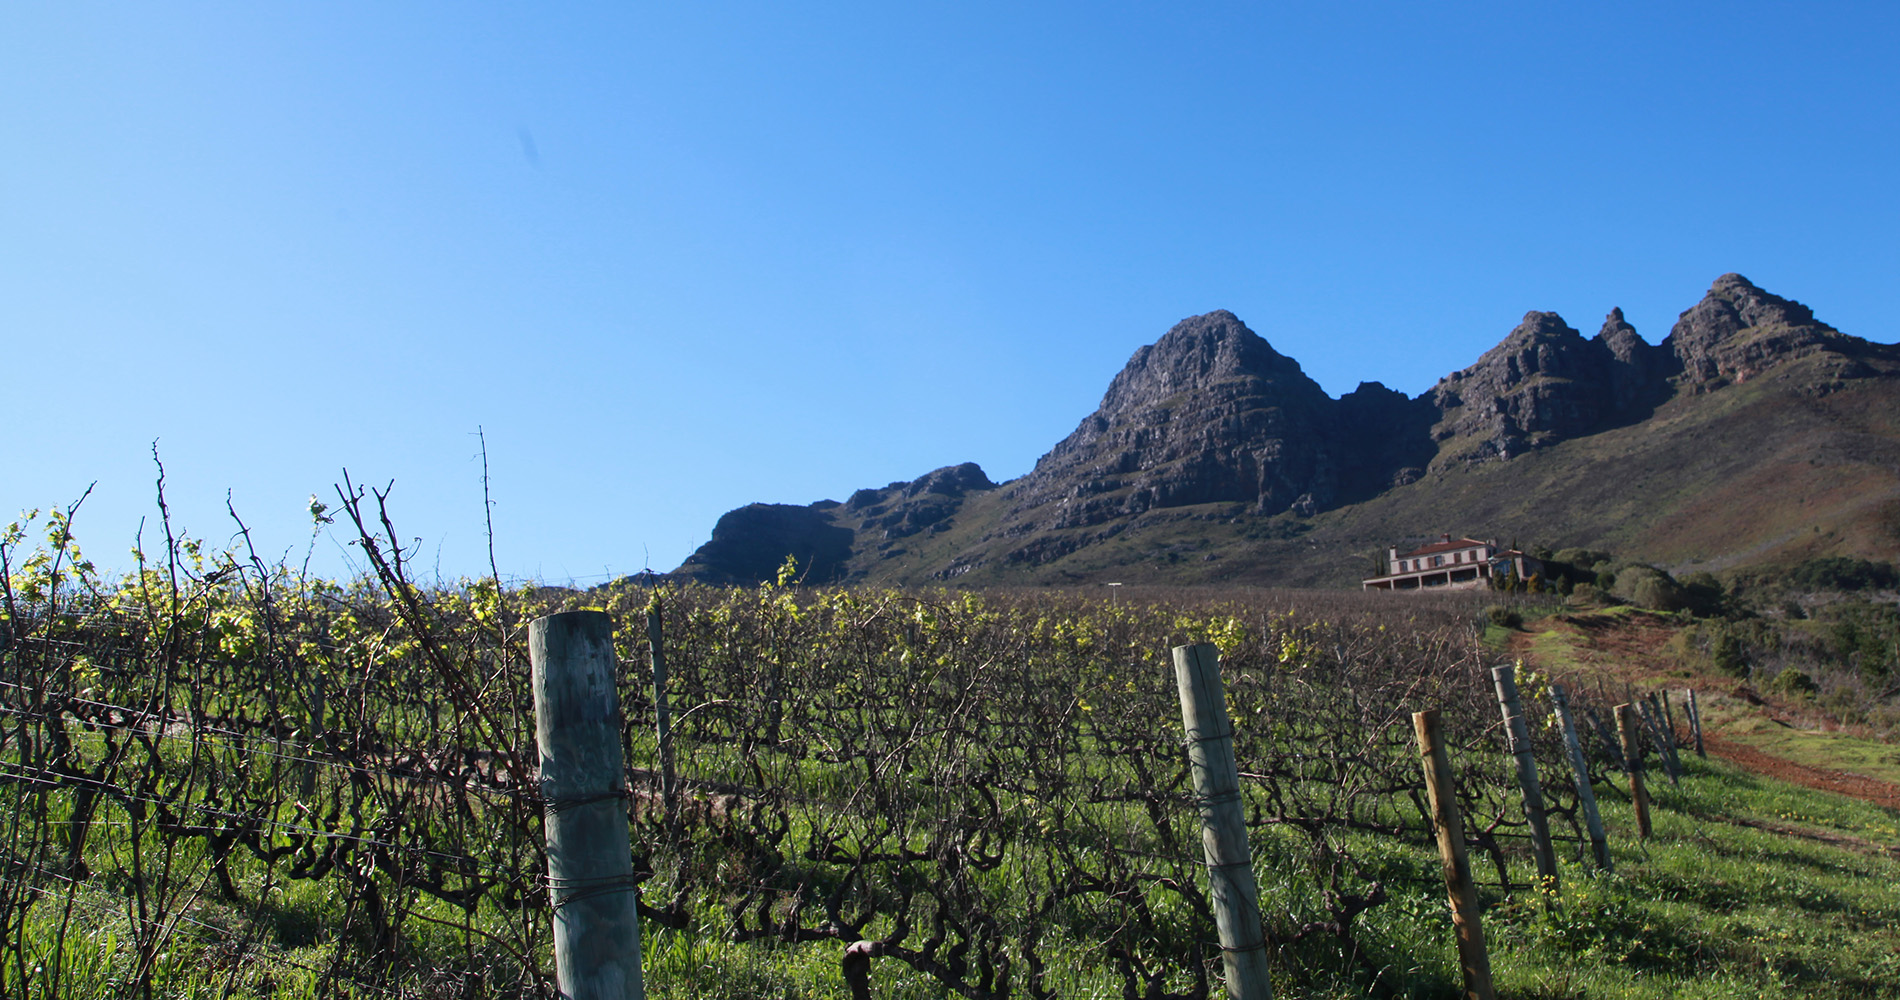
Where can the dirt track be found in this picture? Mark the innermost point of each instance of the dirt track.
(1826, 779)
(1631, 649)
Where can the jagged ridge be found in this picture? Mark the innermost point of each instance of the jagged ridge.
(1210, 422)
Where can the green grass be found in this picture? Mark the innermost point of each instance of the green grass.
(1818, 748)
(1749, 887)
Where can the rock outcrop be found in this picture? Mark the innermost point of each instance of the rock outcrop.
(749, 544)
(1637, 369)
(1212, 417)
(1208, 413)
(1543, 384)
(1738, 331)
(923, 504)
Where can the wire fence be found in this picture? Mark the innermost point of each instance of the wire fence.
(240, 777)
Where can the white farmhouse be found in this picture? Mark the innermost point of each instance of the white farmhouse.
(1454, 564)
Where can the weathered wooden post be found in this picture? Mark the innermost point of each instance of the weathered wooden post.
(1695, 722)
(584, 785)
(1651, 718)
(1504, 678)
(1659, 710)
(1230, 881)
(1608, 737)
(1473, 957)
(662, 717)
(1633, 766)
(1580, 775)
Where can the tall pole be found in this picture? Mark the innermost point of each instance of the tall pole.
(1230, 881)
(584, 785)
(1504, 677)
(1473, 957)
(1580, 774)
(1695, 722)
(1633, 766)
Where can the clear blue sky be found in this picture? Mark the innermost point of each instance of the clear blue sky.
(675, 258)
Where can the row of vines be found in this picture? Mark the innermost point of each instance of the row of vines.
(230, 779)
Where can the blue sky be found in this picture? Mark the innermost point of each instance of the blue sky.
(677, 258)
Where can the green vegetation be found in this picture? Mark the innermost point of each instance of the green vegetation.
(236, 781)
(1838, 573)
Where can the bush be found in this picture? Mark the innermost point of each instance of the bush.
(1865, 636)
(1726, 651)
(1794, 684)
(1504, 617)
(1702, 593)
(1838, 573)
(1586, 559)
(1649, 587)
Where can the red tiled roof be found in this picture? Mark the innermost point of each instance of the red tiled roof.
(1460, 543)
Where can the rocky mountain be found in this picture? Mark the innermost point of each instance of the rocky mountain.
(1214, 457)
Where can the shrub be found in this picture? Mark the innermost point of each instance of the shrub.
(1504, 617)
(1702, 593)
(1726, 651)
(1649, 587)
(1794, 684)
(1839, 573)
(1587, 559)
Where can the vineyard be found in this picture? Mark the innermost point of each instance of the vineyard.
(231, 779)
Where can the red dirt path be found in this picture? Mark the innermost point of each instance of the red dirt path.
(1633, 649)
(1826, 779)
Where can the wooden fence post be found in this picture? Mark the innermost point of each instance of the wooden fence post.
(1659, 707)
(1580, 775)
(1695, 722)
(662, 717)
(1659, 735)
(584, 787)
(1633, 766)
(1504, 677)
(1608, 736)
(1473, 958)
(1231, 885)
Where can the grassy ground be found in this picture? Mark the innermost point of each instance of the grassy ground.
(1749, 887)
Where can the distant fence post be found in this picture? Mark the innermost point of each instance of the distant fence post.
(584, 786)
(1633, 766)
(1441, 790)
(1504, 677)
(1659, 734)
(1580, 775)
(1695, 721)
(662, 716)
(1230, 881)
(1607, 734)
(1659, 707)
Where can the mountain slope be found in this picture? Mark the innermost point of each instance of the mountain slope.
(1752, 434)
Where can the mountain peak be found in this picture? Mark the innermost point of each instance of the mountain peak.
(1210, 442)
(1195, 352)
(1739, 330)
(1208, 413)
